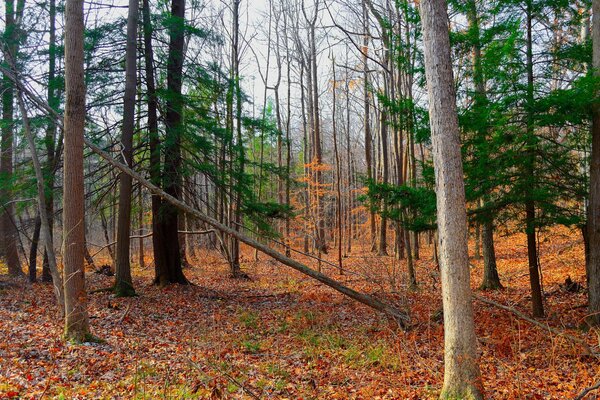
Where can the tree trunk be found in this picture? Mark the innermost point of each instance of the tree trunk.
(593, 222)
(537, 304)
(52, 153)
(320, 239)
(171, 271)
(76, 319)
(491, 280)
(57, 279)
(239, 155)
(338, 188)
(158, 237)
(8, 228)
(34, 249)
(123, 281)
(462, 378)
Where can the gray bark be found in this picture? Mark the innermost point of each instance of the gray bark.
(462, 378)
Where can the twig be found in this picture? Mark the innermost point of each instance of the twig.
(585, 391)
(228, 376)
(125, 313)
(546, 327)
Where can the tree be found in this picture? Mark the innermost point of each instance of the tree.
(593, 222)
(8, 227)
(491, 280)
(76, 319)
(462, 378)
(170, 271)
(53, 149)
(123, 283)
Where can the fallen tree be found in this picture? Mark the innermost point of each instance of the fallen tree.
(400, 317)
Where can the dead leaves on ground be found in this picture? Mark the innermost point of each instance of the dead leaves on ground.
(282, 335)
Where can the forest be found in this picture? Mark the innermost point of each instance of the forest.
(300, 199)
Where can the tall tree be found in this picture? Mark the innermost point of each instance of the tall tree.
(491, 280)
(52, 150)
(593, 222)
(238, 155)
(123, 282)
(171, 270)
(76, 319)
(8, 227)
(462, 378)
(537, 304)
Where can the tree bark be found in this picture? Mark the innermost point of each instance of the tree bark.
(593, 220)
(8, 228)
(33, 250)
(76, 319)
(52, 153)
(46, 235)
(462, 378)
(123, 280)
(537, 304)
(171, 270)
(491, 280)
(338, 169)
(158, 237)
(367, 111)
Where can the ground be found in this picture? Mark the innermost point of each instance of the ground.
(282, 335)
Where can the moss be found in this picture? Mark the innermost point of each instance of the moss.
(124, 289)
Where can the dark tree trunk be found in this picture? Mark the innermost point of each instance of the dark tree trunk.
(34, 249)
(123, 281)
(537, 304)
(8, 228)
(171, 271)
(158, 237)
(52, 153)
(491, 280)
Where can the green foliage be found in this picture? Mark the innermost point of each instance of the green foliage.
(412, 207)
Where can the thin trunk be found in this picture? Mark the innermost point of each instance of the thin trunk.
(491, 280)
(50, 139)
(46, 236)
(338, 178)
(33, 250)
(288, 143)
(537, 304)
(123, 280)
(239, 155)
(477, 240)
(158, 236)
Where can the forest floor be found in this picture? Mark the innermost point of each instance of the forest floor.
(282, 335)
